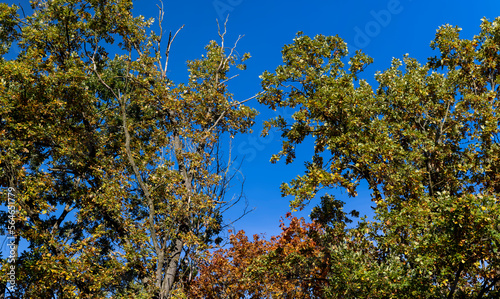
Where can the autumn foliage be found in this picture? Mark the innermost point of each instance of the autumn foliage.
(120, 175)
(290, 265)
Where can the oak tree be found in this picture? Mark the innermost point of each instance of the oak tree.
(120, 174)
(425, 140)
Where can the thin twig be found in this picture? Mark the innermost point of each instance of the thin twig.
(167, 53)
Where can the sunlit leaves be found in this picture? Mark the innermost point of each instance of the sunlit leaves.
(290, 264)
(426, 142)
(118, 169)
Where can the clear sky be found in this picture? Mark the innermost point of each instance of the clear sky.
(383, 29)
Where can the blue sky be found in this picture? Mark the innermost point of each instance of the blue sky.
(382, 29)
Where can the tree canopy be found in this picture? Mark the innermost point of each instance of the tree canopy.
(425, 140)
(121, 175)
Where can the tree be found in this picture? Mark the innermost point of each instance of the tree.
(426, 141)
(119, 173)
(289, 265)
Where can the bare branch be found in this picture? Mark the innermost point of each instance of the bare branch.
(228, 79)
(440, 133)
(66, 210)
(225, 111)
(167, 53)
